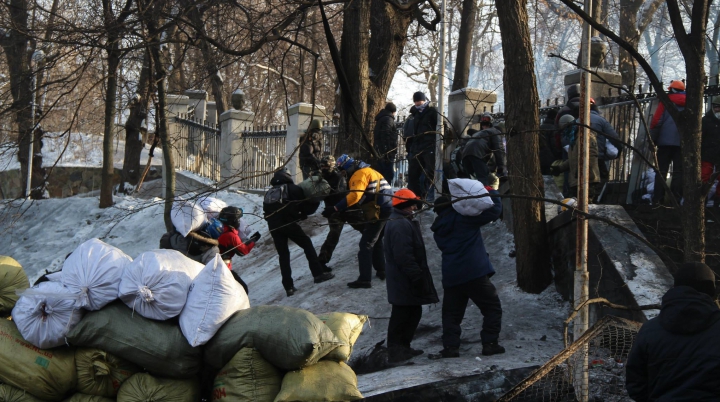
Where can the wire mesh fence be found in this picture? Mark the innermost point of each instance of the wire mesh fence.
(607, 345)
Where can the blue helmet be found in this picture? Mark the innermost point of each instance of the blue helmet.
(344, 162)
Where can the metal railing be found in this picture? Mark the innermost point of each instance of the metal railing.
(197, 147)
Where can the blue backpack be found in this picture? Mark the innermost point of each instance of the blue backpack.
(215, 228)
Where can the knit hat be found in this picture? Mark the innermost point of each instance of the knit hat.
(441, 203)
(419, 96)
(390, 107)
(698, 276)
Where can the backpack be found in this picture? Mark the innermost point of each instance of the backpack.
(277, 194)
(456, 158)
(409, 128)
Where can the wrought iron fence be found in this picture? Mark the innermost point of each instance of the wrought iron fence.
(197, 147)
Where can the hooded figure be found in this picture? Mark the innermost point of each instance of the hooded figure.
(676, 355)
(282, 218)
(420, 143)
(385, 137)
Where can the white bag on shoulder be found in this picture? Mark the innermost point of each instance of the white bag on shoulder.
(461, 188)
(187, 216)
(156, 283)
(214, 296)
(212, 206)
(94, 271)
(45, 313)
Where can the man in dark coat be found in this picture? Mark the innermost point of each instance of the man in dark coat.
(484, 152)
(421, 145)
(282, 219)
(466, 272)
(409, 282)
(605, 134)
(386, 141)
(666, 136)
(311, 149)
(550, 149)
(572, 104)
(338, 188)
(710, 150)
(676, 355)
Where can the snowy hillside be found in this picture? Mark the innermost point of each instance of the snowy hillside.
(45, 231)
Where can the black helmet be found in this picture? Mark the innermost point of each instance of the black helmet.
(231, 216)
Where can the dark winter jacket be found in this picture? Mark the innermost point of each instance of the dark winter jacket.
(311, 150)
(409, 282)
(663, 130)
(464, 257)
(572, 107)
(571, 164)
(600, 125)
(487, 145)
(338, 186)
(278, 215)
(385, 135)
(549, 153)
(424, 127)
(676, 356)
(710, 151)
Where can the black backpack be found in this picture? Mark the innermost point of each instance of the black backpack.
(276, 195)
(456, 158)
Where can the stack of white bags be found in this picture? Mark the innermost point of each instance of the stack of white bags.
(188, 215)
(158, 284)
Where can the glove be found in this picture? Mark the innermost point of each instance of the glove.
(328, 212)
(555, 170)
(255, 237)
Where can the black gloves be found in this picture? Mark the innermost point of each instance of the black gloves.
(555, 170)
(328, 212)
(255, 237)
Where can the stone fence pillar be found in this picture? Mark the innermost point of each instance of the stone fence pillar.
(212, 113)
(465, 105)
(232, 124)
(299, 116)
(601, 82)
(176, 105)
(198, 99)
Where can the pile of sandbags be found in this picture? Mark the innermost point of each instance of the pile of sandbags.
(12, 280)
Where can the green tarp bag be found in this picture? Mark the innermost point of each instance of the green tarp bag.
(157, 346)
(88, 398)
(46, 374)
(12, 279)
(325, 381)
(315, 187)
(247, 378)
(11, 394)
(100, 373)
(289, 338)
(143, 387)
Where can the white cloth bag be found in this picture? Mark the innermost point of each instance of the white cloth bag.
(212, 206)
(461, 188)
(187, 216)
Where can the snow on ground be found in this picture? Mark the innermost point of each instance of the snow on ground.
(82, 150)
(45, 231)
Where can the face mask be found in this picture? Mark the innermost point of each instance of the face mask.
(717, 115)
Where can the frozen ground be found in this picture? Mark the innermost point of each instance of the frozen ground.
(43, 232)
(82, 150)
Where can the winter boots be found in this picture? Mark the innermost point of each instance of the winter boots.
(445, 354)
(360, 284)
(397, 354)
(324, 277)
(492, 348)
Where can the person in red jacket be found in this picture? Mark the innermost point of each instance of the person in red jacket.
(229, 241)
(666, 136)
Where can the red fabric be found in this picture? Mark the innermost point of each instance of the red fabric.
(488, 188)
(706, 171)
(676, 98)
(231, 245)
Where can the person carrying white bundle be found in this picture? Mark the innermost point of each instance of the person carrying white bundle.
(45, 313)
(212, 206)
(94, 271)
(214, 296)
(187, 216)
(156, 283)
(465, 188)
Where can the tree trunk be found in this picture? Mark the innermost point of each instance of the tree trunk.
(522, 117)
(108, 168)
(464, 47)
(210, 63)
(133, 127)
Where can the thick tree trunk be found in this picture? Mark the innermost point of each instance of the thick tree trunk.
(108, 168)
(464, 47)
(210, 63)
(133, 127)
(522, 117)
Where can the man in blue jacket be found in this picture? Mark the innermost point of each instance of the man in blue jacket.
(466, 272)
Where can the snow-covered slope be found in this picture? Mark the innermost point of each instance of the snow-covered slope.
(45, 231)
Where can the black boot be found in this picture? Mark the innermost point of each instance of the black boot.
(492, 348)
(290, 291)
(360, 284)
(324, 277)
(397, 354)
(446, 353)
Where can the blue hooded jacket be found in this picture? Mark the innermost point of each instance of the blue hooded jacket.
(464, 257)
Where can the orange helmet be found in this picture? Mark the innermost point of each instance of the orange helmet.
(402, 196)
(592, 101)
(677, 84)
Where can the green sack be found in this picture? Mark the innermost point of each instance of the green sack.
(100, 373)
(47, 374)
(143, 387)
(247, 378)
(289, 338)
(325, 381)
(12, 394)
(315, 187)
(12, 279)
(157, 346)
(88, 398)
(347, 327)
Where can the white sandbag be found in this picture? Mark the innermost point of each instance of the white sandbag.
(212, 206)
(460, 188)
(213, 297)
(94, 271)
(156, 283)
(187, 216)
(45, 313)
